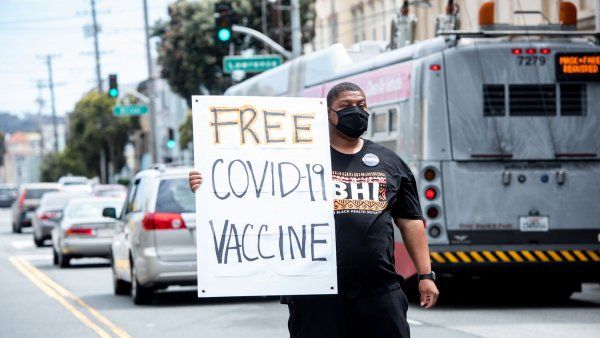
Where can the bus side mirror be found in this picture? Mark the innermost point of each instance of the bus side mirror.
(109, 212)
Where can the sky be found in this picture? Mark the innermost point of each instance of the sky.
(31, 29)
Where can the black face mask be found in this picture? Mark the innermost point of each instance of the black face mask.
(352, 121)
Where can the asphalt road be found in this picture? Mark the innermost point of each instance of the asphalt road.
(39, 299)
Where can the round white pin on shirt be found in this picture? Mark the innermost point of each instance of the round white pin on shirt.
(370, 160)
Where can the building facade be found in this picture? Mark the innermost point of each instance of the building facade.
(22, 159)
(352, 21)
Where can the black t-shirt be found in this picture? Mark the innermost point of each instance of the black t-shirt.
(371, 188)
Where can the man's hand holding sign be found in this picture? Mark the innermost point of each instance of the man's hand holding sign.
(274, 170)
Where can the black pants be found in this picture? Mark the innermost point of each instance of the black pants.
(376, 316)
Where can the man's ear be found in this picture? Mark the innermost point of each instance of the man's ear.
(332, 117)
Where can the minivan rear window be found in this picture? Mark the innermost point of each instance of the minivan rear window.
(175, 196)
(37, 193)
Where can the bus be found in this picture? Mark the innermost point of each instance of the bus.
(501, 128)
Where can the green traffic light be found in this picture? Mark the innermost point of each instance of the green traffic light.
(171, 144)
(224, 34)
(113, 92)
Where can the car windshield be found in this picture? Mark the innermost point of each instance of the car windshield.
(37, 193)
(91, 209)
(55, 200)
(175, 196)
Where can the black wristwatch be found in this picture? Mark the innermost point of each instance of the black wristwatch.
(430, 275)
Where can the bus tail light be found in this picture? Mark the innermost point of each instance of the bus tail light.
(430, 193)
(433, 212)
(516, 51)
(530, 51)
(435, 67)
(429, 174)
(163, 221)
(545, 50)
(434, 230)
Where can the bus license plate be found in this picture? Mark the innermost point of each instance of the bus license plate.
(533, 223)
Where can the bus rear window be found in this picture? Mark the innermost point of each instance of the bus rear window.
(37, 193)
(573, 99)
(532, 100)
(493, 100)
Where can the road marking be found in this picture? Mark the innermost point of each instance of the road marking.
(36, 257)
(414, 322)
(56, 291)
(22, 244)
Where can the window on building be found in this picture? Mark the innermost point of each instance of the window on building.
(393, 119)
(363, 27)
(333, 38)
(355, 25)
(373, 20)
(383, 20)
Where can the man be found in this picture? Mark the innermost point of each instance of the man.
(370, 302)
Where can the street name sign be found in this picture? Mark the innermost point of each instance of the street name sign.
(132, 110)
(251, 64)
(264, 214)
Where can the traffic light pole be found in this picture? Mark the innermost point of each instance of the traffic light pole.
(265, 39)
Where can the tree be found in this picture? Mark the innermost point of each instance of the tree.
(94, 129)
(187, 53)
(64, 163)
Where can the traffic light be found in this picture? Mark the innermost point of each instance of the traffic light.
(171, 143)
(113, 87)
(223, 23)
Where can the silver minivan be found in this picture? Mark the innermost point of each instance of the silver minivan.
(155, 245)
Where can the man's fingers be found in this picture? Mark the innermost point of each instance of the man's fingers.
(423, 298)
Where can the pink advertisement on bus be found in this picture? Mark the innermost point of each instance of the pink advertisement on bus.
(390, 83)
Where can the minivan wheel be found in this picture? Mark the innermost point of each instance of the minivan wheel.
(54, 256)
(63, 260)
(139, 293)
(120, 286)
(38, 242)
(17, 228)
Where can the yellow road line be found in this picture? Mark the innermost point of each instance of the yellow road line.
(592, 254)
(515, 256)
(463, 256)
(437, 257)
(541, 255)
(477, 257)
(490, 256)
(450, 257)
(502, 256)
(554, 255)
(66, 293)
(567, 255)
(61, 300)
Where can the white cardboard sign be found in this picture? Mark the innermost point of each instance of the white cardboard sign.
(264, 213)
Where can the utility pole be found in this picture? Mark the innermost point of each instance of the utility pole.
(264, 16)
(96, 48)
(296, 34)
(52, 101)
(40, 102)
(151, 113)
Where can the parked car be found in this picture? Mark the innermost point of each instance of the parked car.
(8, 195)
(75, 184)
(155, 244)
(85, 230)
(49, 214)
(29, 199)
(110, 190)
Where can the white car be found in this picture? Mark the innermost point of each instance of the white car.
(75, 184)
(86, 229)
